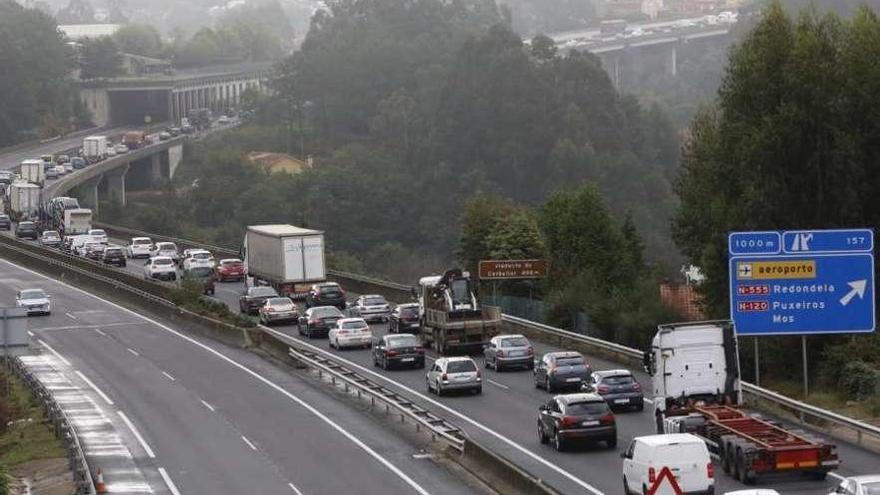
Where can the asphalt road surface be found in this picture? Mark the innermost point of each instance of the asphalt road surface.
(217, 420)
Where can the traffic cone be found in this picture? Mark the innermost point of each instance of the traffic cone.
(100, 487)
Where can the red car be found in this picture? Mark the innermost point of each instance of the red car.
(230, 269)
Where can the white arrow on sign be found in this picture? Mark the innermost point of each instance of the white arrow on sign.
(858, 289)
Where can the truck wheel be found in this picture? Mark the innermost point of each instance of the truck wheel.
(558, 442)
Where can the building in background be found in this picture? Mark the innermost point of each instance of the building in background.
(75, 32)
(695, 7)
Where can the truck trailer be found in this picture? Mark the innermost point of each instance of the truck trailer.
(285, 257)
(452, 318)
(695, 382)
(33, 171)
(24, 200)
(95, 148)
(77, 221)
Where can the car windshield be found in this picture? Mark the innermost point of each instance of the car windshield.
(51, 233)
(461, 366)
(33, 294)
(586, 408)
(138, 242)
(354, 324)
(325, 312)
(263, 292)
(26, 226)
(374, 301)
(163, 261)
(201, 256)
(514, 342)
(166, 246)
(460, 291)
(328, 289)
(403, 342)
(112, 251)
(231, 264)
(280, 301)
(98, 233)
(570, 361)
(618, 380)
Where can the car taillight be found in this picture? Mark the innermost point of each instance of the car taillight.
(652, 475)
(602, 389)
(568, 421)
(420, 350)
(271, 310)
(313, 322)
(636, 386)
(710, 470)
(607, 419)
(500, 353)
(392, 352)
(444, 377)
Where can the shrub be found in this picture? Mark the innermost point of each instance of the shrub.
(860, 380)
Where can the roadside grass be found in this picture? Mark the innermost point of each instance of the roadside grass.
(27, 436)
(867, 410)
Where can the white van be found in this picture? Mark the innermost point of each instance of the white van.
(684, 454)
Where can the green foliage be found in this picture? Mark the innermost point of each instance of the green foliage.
(100, 58)
(37, 99)
(77, 12)
(550, 16)
(860, 380)
(188, 294)
(139, 39)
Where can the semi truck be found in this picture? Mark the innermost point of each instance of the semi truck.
(95, 148)
(33, 171)
(76, 221)
(695, 382)
(453, 320)
(136, 139)
(24, 200)
(288, 258)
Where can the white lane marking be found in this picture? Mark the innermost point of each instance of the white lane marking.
(77, 327)
(53, 351)
(169, 377)
(649, 401)
(129, 349)
(100, 332)
(295, 489)
(95, 388)
(501, 385)
(423, 456)
(209, 406)
(71, 316)
(30, 333)
(836, 476)
(167, 479)
(248, 442)
(583, 484)
(137, 435)
(323, 417)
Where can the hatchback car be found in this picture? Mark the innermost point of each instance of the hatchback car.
(99, 235)
(50, 238)
(26, 230)
(454, 373)
(326, 294)
(401, 349)
(34, 301)
(558, 370)
(139, 247)
(350, 332)
(114, 255)
(278, 310)
(618, 387)
(568, 418)
(868, 484)
(254, 297)
(405, 318)
(5, 222)
(371, 307)
(317, 322)
(197, 257)
(160, 267)
(230, 269)
(168, 249)
(508, 351)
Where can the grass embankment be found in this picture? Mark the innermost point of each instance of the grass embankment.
(25, 435)
(866, 410)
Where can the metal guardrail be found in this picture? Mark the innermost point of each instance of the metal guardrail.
(801, 409)
(438, 426)
(85, 485)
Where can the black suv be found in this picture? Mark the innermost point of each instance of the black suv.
(326, 294)
(5, 222)
(26, 229)
(405, 318)
(254, 297)
(619, 388)
(114, 256)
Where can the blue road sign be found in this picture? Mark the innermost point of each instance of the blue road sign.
(818, 281)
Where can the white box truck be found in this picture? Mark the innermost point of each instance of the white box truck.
(285, 257)
(77, 221)
(95, 148)
(33, 171)
(24, 199)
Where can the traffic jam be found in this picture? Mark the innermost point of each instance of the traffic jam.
(457, 347)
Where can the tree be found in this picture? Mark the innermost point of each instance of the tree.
(100, 58)
(77, 12)
(543, 48)
(479, 217)
(139, 39)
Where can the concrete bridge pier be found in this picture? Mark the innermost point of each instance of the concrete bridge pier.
(672, 62)
(116, 183)
(88, 193)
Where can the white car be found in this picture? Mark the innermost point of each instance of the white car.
(88, 245)
(868, 484)
(68, 167)
(139, 247)
(111, 150)
(168, 249)
(350, 332)
(197, 257)
(372, 307)
(35, 301)
(98, 235)
(160, 267)
(454, 373)
(60, 170)
(224, 120)
(685, 454)
(121, 149)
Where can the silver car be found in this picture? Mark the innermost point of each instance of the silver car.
(34, 301)
(507, 351)
(372, 308)
(868, 484)
(454, 373)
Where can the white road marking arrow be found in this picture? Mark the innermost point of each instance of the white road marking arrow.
(858, 289)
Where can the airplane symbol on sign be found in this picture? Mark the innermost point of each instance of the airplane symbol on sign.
(801, 242)
(744, 270)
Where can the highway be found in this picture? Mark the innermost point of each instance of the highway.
(12, 159)
(504, 417)
(219, 420)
